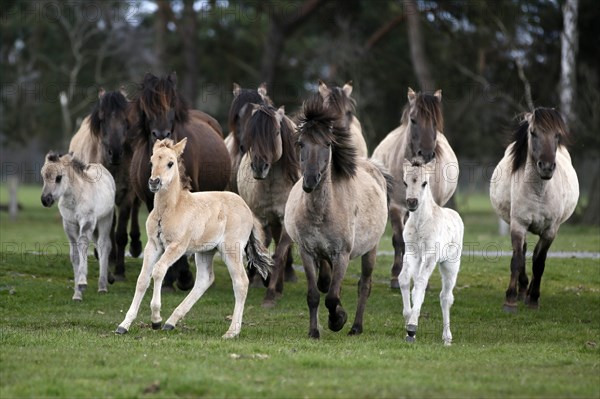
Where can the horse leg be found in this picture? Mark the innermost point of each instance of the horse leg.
(312, 296)
(407, 273)
(523, 280)
(104, 245)
(421, 279)
(151, 254)
(517, 264)
(290, 273)
(135, 245)
(204, 278)
(172, 253)
(397, 220)
(449, 272)
(71, 231)
(275, 288)
(180, 273)
(121, 240)
(337, 314)
(324, 281)
(86, 232)
(239, 280)
(539, 263)
(364, 289)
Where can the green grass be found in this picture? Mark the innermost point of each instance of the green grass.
(53, 347)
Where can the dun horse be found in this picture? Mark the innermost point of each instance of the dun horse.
(535, 189)
(102, 138)
(432, 235)
(266, 175)
(161, 113)
(201, 223)
(239, 112)
(324, 230)
(419, 139)
(86, 200)
(343, 106)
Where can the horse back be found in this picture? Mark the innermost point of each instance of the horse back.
(206, 118)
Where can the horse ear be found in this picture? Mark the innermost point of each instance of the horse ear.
(347, 89)
(438, 95)
(101, 93)
(324, 91)
(236, 90)
(528, 117)
(412, 96)
(262, 90)
(255, 108)
(173, 78)
(179, 147)
(280, 114)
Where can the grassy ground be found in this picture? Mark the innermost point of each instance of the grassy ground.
(53, 347)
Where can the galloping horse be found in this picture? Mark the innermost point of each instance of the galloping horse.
(162, 113)
(535, 189)
(267, 173)
(325, 230)
(200, 223)
(419, 139)
(239, 112)
(343, 106)
(103, 138)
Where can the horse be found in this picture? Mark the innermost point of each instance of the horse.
(267, 172)
(86, 201)
(325, 230)
(239, 112)
(344, 106)
(201, 223)
(432, 235)
(535, 189)
(419, 138)
(103, 138)
(160, 112)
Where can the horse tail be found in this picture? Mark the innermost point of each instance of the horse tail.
(258, 255)
(389, 180)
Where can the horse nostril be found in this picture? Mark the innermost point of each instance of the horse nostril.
(110, 152)
(540, 164)
(155, 133)
(420, 153)
(553, 166)
(167, 134)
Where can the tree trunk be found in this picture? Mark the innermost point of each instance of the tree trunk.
(189, 87)
(569, 43)
(160, 38)
(591, 215)
(281, 28)
(417, 47)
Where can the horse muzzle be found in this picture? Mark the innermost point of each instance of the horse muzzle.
(412, 204)
(154, 184)
(546, 169)
(310, 182)
(47, 200)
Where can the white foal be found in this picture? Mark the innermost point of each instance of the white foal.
(86, 201)
(432, 235)
(201, 223)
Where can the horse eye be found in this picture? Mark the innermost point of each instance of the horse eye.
(413, 121)
(533, 133)
(170, 164)
(424, 184)
(58, 178)
(328, 144)
(300, 145)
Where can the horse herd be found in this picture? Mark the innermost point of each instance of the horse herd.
(304, 180)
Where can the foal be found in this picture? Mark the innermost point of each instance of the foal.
(86, 200)
(202, 223)
(432, 235)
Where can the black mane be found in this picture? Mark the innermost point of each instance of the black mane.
(321, 125)
(111, 102)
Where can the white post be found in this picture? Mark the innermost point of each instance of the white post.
(13, 204)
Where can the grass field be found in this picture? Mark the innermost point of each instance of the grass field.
(53, 347)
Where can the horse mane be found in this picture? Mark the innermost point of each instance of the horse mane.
(158, 96)
(77, 164)
(431, 108)
(186, 181)
(261, 126)
(544, 121)
(112, 101)
(245, 97)
(322, 125)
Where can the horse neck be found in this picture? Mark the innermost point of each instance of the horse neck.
(532, 179)
(166, 200)
(426, 208)
(319, 201)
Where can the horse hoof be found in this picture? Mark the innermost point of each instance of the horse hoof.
(394, 284)
(77, 298)
(410, 339)
(268, 303)
(156, 326)
(102, 290)
(447, 343)
(290, 276)
(411, 330)
(314, 334)
(135, 249)
(185, 282)
(355, 330)
(338, 322)
(166, 327)
(119, 277)
(110, 278)
(121, 330)
(510, 308)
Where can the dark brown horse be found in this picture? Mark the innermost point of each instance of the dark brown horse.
(162, 113)
(103, 138)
